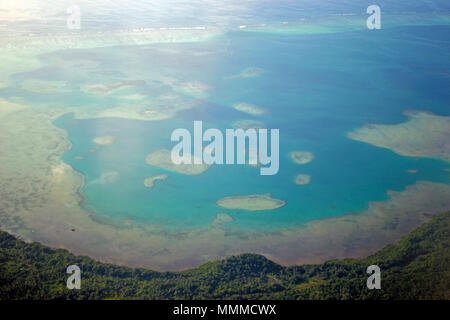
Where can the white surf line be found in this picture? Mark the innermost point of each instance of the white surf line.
(40, 43)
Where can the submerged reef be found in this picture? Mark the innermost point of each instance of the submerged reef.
(111, 87)
(149, 182)
(247, 73)
(104, 140)
(194, 88)
(45, 86)
(302, 179)
(254, 202)
(142, 107)
(106, 178)
(301, 157)
(162, 159)
(422, 135)
(336, 23)
(221, 218)
(42, 42)
(251, 109)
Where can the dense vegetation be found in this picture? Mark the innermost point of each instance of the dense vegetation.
(417, 268)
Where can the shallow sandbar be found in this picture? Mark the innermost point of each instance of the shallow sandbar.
(301, 157)
(251, 109)
(253, 202)
(302, 179)
(104, 140)
(149, 182)
(423, 135)
(162, 159)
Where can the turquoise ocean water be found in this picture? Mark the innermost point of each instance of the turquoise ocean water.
(316, 87)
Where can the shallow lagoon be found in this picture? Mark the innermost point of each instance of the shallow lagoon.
(327, 77)
(316, 88)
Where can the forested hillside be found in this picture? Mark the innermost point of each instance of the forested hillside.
(417, 268)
